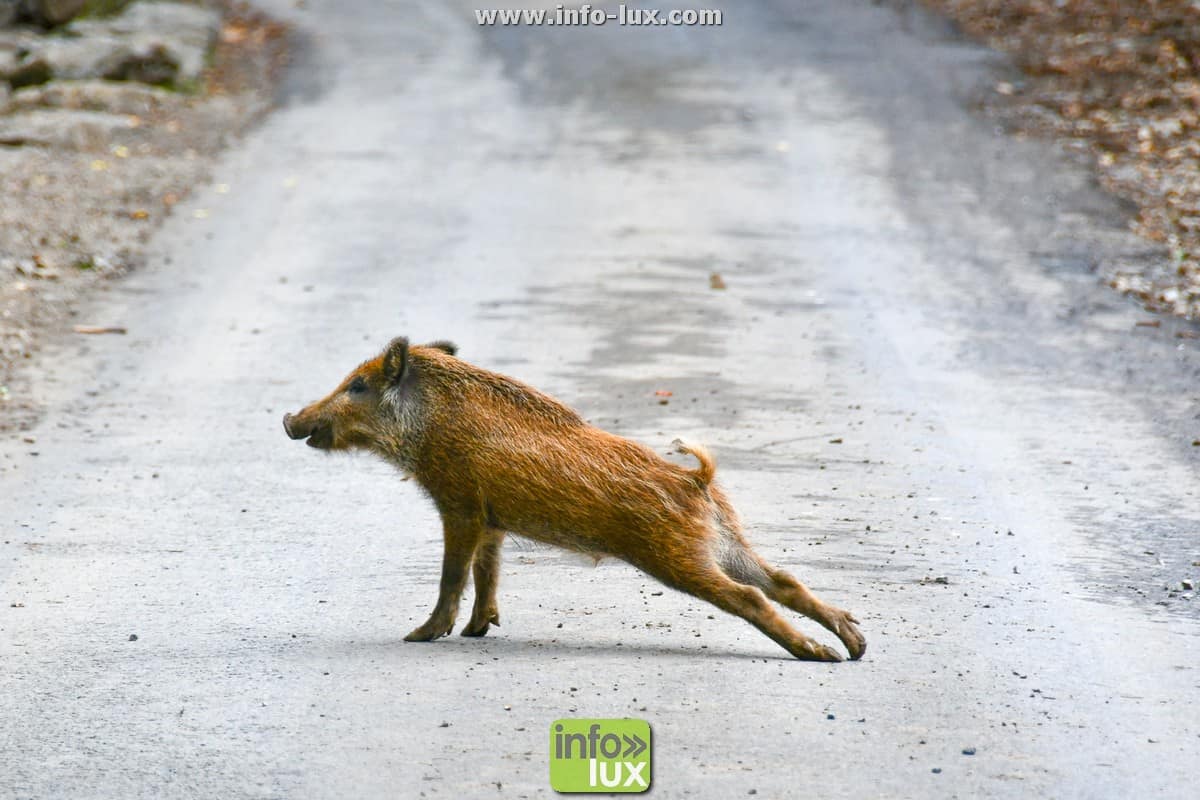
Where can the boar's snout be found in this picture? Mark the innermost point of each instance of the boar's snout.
(308, 425)
(294, 428)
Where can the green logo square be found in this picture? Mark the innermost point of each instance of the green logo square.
(600, 755)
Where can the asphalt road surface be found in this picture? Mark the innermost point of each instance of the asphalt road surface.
(921, 399)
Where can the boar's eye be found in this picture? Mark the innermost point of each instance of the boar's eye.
(357, 386)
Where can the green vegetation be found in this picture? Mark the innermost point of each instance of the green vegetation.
(95, 9)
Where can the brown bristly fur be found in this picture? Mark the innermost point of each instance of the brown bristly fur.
(500, 457)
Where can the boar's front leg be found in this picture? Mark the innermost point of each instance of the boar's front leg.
(461, 535)
(487, 574)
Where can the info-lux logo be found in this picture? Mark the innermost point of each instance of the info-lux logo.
(600, 755)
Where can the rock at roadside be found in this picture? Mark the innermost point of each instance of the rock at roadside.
(71, 130)
(177, 33)
(109, 96)
(165, 44)
(49, 12)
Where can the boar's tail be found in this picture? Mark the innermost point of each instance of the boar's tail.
(708, 466)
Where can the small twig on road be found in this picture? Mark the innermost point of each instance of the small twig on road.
(100, 329)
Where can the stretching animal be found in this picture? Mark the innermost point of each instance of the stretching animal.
(500, 457)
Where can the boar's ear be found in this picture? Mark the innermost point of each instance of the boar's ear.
(395, 359)
(449, 348)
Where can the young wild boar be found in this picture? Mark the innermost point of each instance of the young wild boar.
(500, 457)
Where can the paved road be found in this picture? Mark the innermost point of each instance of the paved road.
(921, 399)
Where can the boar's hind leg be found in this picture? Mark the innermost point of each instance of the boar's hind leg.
(785, 589)
(461, 535)
(747, 567)
(486, 570)
(708, 582)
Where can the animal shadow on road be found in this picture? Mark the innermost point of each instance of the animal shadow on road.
(516, 647)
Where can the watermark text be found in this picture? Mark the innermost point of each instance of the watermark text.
(584, 15)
